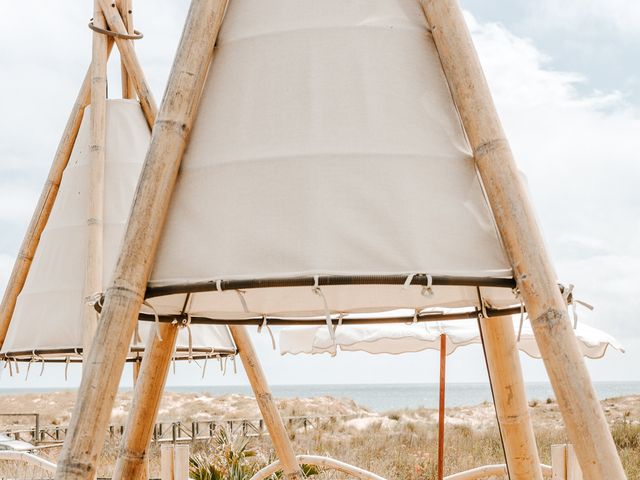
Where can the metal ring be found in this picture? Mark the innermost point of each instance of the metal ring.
(125, 36)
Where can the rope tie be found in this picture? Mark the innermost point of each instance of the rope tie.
(265, 324)
(42, 369)
(243, 301)
(339, 324)
(136, 335)
(156, 319)
(31, 360)
(17, 366)
(66, 368)
(219, 285)
(235, 366)
(7, 362)
(521, 320)
(204, 367)
(427, 290)
(224, 366)
(318, 291)
(407, 282)
(186, 323)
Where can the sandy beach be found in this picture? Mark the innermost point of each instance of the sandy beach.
(55, 409)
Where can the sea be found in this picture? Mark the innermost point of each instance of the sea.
(386, 397)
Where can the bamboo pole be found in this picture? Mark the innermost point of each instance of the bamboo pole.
(130, 59)
(126, 12)
(270, 414)
(123, 299)
(585, 422)
(97, 158)
(441, 404)
(505, 373)
(45, 204)
(146, 402)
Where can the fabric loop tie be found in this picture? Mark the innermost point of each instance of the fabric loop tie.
(156, 319)
(318, 291)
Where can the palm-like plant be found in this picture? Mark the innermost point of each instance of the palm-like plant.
(230, 463)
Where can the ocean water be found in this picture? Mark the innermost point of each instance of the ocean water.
(385, 397)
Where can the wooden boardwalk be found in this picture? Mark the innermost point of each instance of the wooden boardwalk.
(174, 432)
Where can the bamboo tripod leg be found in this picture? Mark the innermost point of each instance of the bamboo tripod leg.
(583, 416)
(130, 60)
(270, 414)
(97, 148)
(125, 8)
(103, 367)
(45, 205)
(131, 463)
(510, 398)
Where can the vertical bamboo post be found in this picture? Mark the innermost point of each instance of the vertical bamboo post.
(97, 157)
(45, 204)
(535, 277)
(503, 362)
(166, 462)
(126, 12)
(180, 462)
(270, 414)
(146, 402)
(441, 404)
(124, 297)
(558, 462)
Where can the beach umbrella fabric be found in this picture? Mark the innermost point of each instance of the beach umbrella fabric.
(401, 338)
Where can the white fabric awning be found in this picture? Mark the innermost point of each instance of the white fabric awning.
(326, 145)
(400, 338)
(47, 322)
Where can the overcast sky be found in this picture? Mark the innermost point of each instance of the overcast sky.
(564, 77)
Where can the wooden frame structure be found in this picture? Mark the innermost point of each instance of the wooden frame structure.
(534, 277)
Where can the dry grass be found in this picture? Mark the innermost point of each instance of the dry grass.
(400, 444)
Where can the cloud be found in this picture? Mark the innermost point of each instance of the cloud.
(622, 15)
(580, 154)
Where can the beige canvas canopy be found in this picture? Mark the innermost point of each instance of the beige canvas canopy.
(47, 323)
(312, 183)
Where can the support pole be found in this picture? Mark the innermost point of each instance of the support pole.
(515, 219)
(509, 396)
(130, 59)
(45, 204)
(98, 388)
(270, 414)
(97, 159)
(441, 404)
(134, 446)
(126, 12)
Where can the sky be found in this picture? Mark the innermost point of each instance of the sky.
(565, 81)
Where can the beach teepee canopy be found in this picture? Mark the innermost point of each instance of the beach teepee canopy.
(48, 322)
(312, 183)
(327, 160)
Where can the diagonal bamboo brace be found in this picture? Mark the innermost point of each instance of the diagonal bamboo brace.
(130, 60)
(270, 414)
(104, 365)
(585, 422)
(132, 456)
